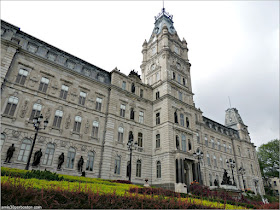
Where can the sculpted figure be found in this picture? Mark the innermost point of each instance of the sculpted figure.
(37, 157)
(80, 164)
(10, 153)
(60, 160)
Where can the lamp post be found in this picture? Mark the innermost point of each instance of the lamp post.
(130, 147)
(242, 171)
(231, 164)
(199, 155)
(36, 124)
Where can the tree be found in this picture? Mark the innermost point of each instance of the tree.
(268, 155)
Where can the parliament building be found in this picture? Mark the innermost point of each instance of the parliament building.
(93, 112)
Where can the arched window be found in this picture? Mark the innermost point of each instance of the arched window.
(177, 142)
(3, 137)
(158, 169)
(117, 165)
(95, 126)
(184, 143)
(175, 117)
(187, 122)
(120, 134)
(158, 141)
(24, 150)
(36, 111)
(90, 161)
(138, 168)
(77, 124)
(140, 139)
(49, 154)
(71, 157)
(132, 88)
(190, 144)
(11, 106)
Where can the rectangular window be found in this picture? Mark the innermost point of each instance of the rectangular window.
(141, 117)
(35, 111)
(120, 134)
(180, 94)
(64, 91)
(44, 84)
(95, 126)
(198, 138)
(157, 118)
(229, 147)
(219, 145)
(225, 148)
(184, 146)
(140, 139)
(213, 143)
(77, 124)
(98, 104)
(158, 76)
(57, 118)
(122, 110)
(158, 141)
(141, 93)
(124, 85)
(82, 98)
(157, 95)
(206, 141)
(11, 106)
(21, 77)
(117, 165)
(179, 78)
(182, 119)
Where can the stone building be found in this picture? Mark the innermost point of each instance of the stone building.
(92, 112)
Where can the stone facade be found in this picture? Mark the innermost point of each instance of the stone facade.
(92, 111)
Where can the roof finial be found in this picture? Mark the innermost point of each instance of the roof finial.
(163, 4)
(229, 102)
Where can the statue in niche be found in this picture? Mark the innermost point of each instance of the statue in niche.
(132, 88)
(177, 143)
(132, 114)
(216, 182)
(68, 121)
(175, 117)
(130, 136)
(60, 160)
(24, 109)
(10, 153)
(37, 157)
(48, 113)
(80, 164)
(226, 179)
(188, 122)
(86, 127)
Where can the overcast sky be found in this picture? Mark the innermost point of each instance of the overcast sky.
(233, 47)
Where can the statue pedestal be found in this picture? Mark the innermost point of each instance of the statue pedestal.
(146, 185)
(180, 188)
(229, 187)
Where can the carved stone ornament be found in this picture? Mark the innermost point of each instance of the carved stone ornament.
(63, 143)
(83, 148)
(16, 134)
(68, 121)
(33, 81)
(74, 94)
(54, 87)
(41, 139)
(87, 127)
(24, 109)
(48, 113)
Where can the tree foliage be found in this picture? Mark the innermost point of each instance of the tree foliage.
(268, 155)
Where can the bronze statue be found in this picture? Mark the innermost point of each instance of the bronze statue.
(226, 179)
(10, 153)
(80, 164)
(216, 182)
(37, 158)
(132, 114)
(60, 160)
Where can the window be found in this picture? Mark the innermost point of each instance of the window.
(70, 158)
(158, 141)
(124, 85)
(49, 154)
(208, 159)
(184, 81)
(82, 98)
(157, 95)
(179, 78)
(184, 143)
(24, 150)
(132, 88)
(141, 93)
(122, 110)
(95, 126)
(21, 77)
(64, 91)
(132, 114)
(44, 84)
(77, 124)
(98, 104)
(221, 161)
(275, 184)
(229, 147)
(140, 139)
(182, 119)
(210, 179)
(177, 142)
(215, 160)
(35, 111)
(3, 137)
(174, 75)
(90, 161)
(141, 117)
(120, 134)
(57, 118)
(225, 147)
(117, 165)
(138, 168)
(189, 144)
(206, 141)
(198, 138)
(213, 143)
(158, 169)
(175, 117)
(157, 75)
(157, 118)
(219, 145)
(11, 106)
(180, 95)
(187, 122)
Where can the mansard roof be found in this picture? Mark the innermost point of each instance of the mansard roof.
(40, 48)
